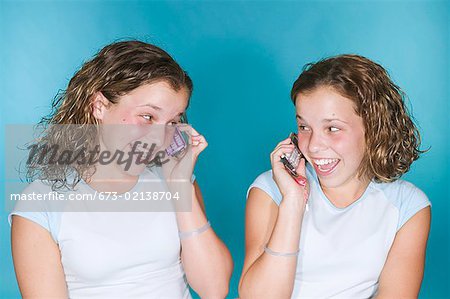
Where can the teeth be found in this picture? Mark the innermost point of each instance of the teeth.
(325, 161)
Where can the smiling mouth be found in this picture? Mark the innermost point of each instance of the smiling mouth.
(325, 166)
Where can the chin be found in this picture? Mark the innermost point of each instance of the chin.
(328, 184)
(134, 170)
(337, 181)
(331, 182)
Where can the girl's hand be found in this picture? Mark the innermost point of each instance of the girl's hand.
(285, 182)
(182, 167)
(197, 142)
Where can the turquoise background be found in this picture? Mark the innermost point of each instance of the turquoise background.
(243, 57)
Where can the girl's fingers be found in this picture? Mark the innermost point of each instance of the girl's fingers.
(197, 140)
(195, 137)
(283, 142)
(281, 150)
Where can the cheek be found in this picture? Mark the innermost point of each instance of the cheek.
(119, 129)
(114, 117)
(303, 143)
(341, 141)
(352, 146)
(123, 116)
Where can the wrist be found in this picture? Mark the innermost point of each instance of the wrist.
(292, 203)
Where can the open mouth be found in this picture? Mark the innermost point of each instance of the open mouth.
(325, 166)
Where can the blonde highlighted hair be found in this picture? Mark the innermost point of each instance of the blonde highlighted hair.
(392, 139)
(115, 70)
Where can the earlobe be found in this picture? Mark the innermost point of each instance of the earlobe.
(99, 105)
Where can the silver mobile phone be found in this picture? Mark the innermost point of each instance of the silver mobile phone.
(292, 160)
(180, 140)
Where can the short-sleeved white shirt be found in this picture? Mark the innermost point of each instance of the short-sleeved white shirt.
(343, 250)
(115, 254)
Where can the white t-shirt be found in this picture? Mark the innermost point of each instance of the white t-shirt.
(343, 250)
(115, 254)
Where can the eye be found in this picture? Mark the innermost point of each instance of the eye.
(147, 117)
(333, 129)
(303, 128)
(173, 123)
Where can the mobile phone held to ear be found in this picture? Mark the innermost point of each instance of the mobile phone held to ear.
(180, 140)
(291, 161)
(179, 143)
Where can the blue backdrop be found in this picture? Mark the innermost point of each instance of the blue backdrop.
(243, 57)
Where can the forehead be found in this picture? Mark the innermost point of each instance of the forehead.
(158, 94)
(324, 102)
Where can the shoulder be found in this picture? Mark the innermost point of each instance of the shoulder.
(28, 198)
(38, 186)
(32, 205)
(406, 197)
(266, 183)
(401, 193)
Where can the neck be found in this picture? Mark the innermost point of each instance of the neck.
(345, 195)
(108, 178)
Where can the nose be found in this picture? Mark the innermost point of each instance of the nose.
(316, 143)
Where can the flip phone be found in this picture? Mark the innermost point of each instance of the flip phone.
(292, 160)
(180, 140)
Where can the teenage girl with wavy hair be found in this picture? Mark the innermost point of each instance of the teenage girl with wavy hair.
(355, 230)
(129, 86)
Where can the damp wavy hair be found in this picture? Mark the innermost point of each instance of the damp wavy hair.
(115, 70)
(392, 139)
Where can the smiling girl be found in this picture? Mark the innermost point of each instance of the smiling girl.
(129, 92)
(365, 231)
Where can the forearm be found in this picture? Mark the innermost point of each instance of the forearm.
(206, 260)
(387, 295)
(273, 276)
(403, 290)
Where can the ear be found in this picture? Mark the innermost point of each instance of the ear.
(100, 105)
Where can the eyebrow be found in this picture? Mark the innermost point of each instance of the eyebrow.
(159, 108)
(151, 106)
(325, 120)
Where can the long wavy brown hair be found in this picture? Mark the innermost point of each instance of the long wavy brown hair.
(392, 139)
(115, 70)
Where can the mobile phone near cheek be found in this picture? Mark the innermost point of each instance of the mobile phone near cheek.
(179, 143)
(291, 161)
(180, 140)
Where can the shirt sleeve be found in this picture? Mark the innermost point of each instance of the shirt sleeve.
(40, 218)
(35, 210)
(266, 183)
(413, 200)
